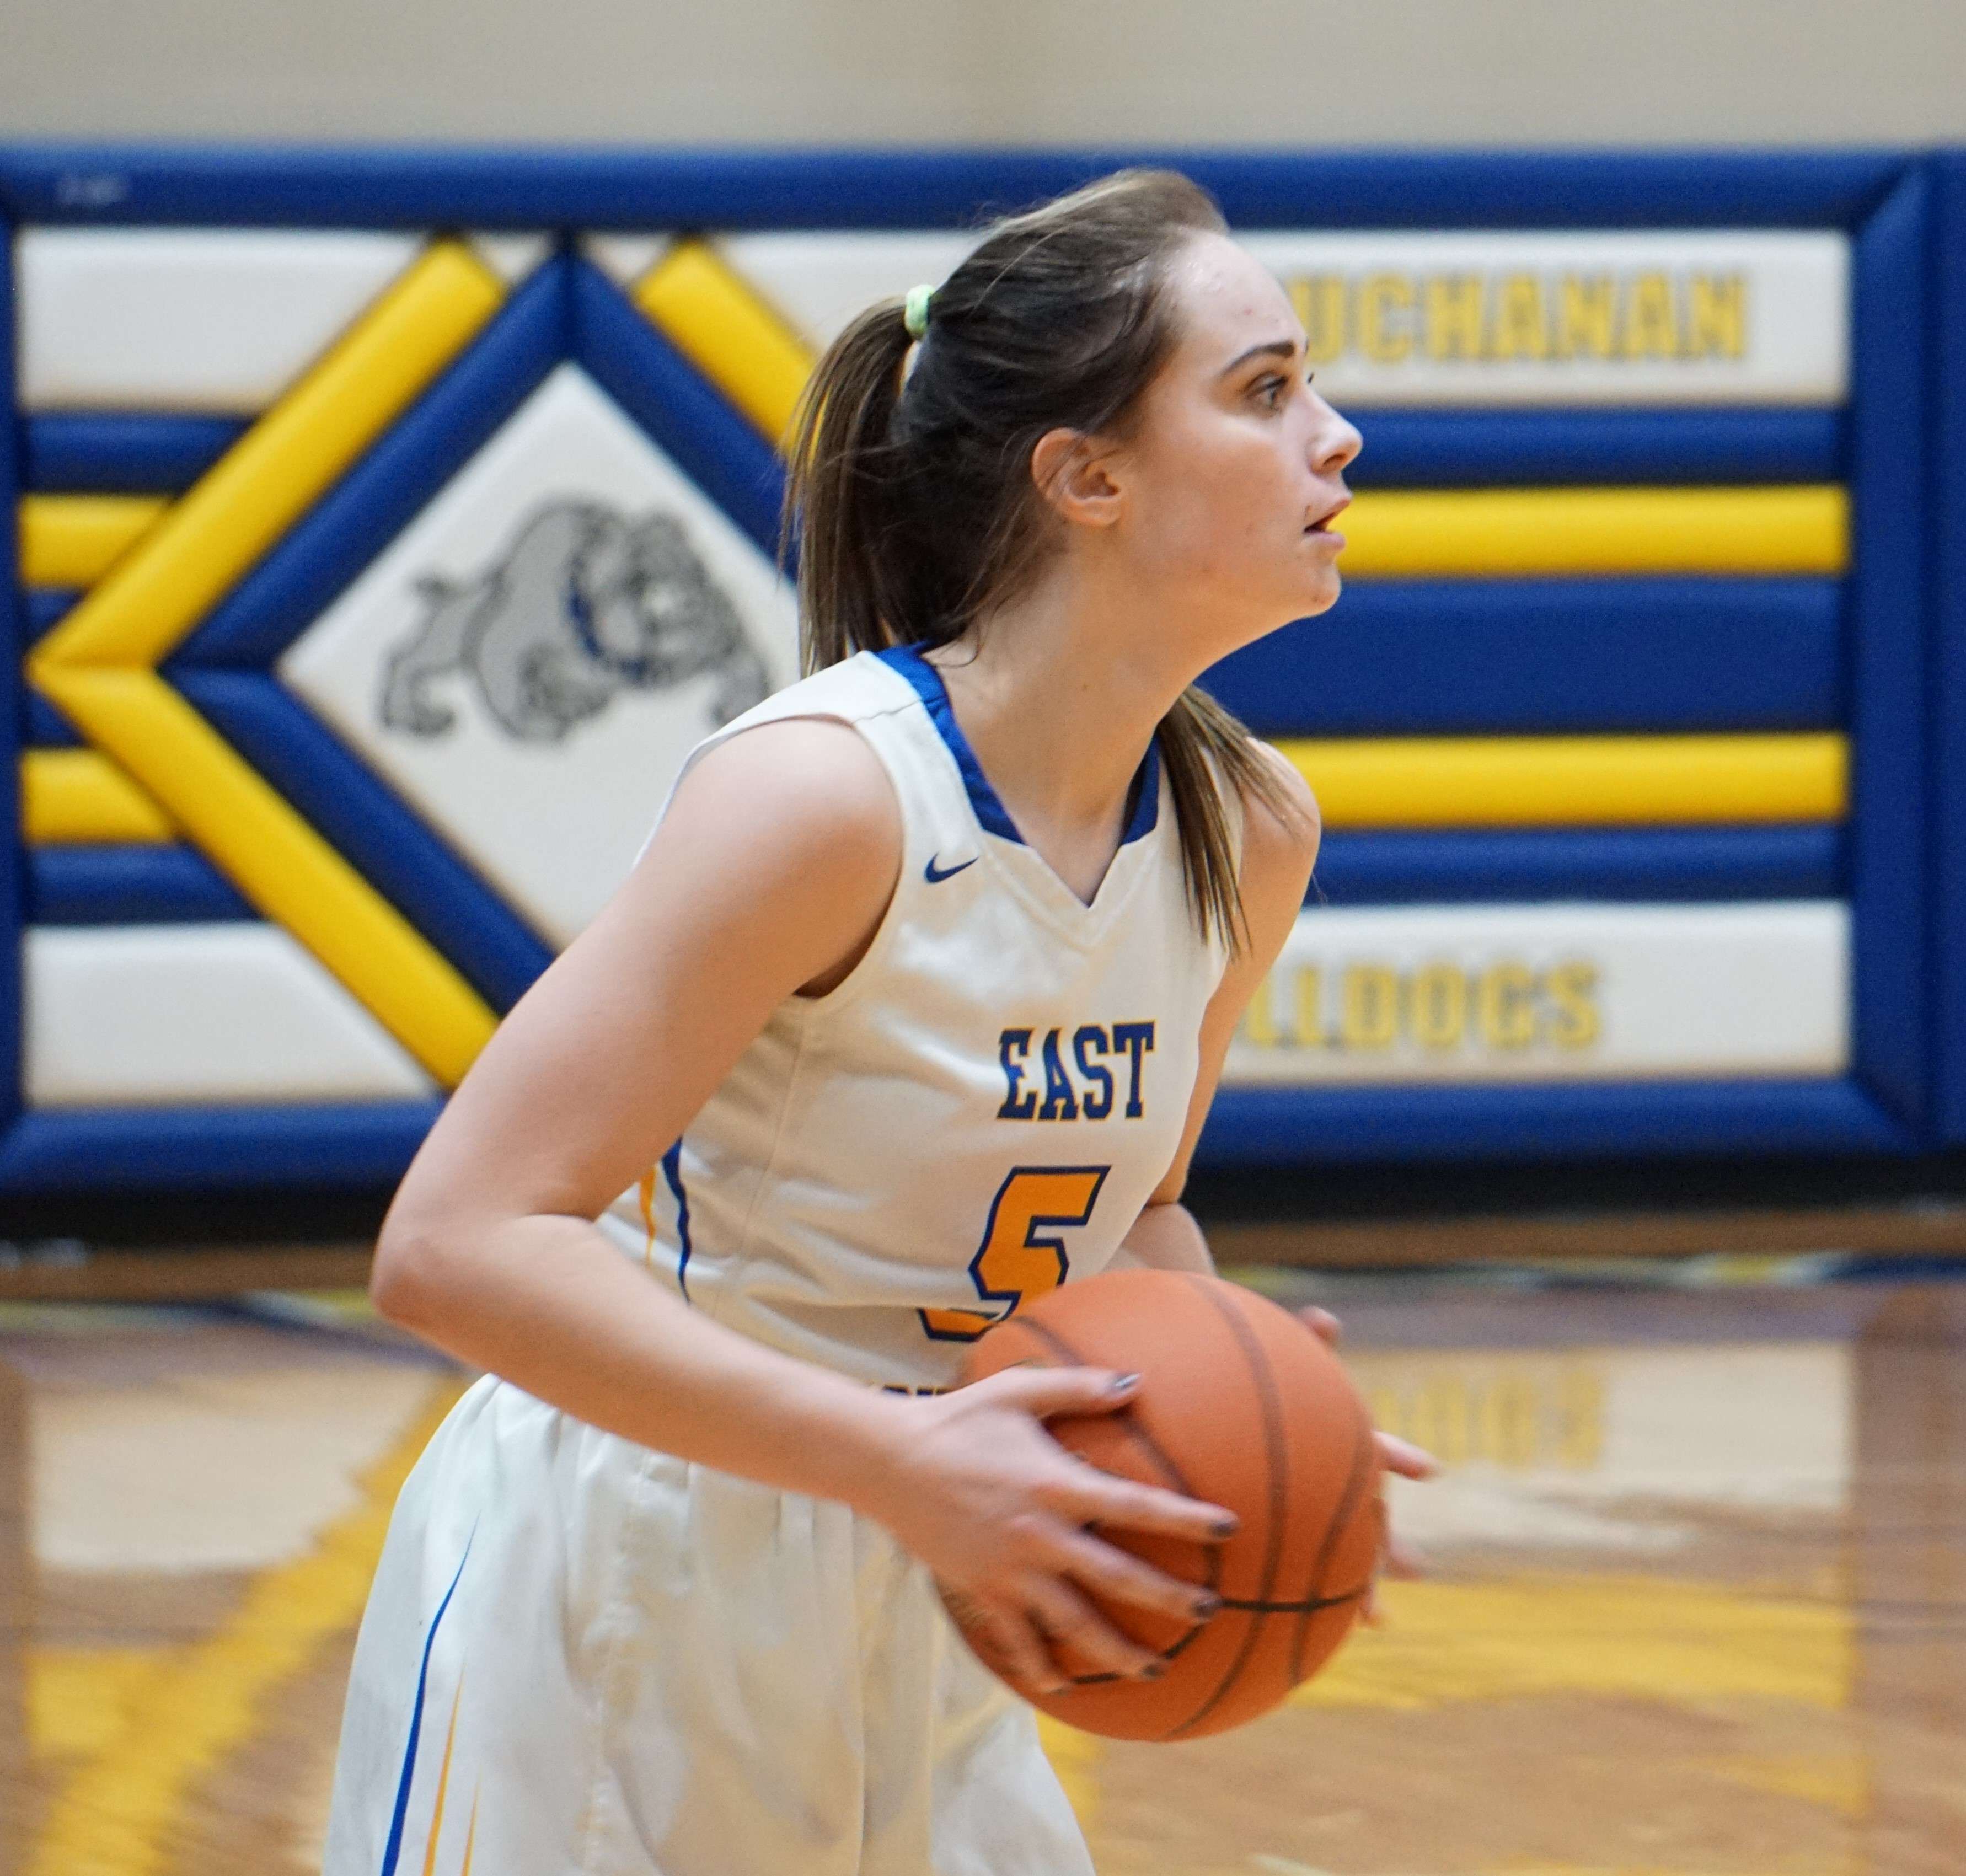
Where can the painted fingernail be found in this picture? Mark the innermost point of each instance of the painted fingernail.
(1227, 1527)
(1153, 1670)
(1122, 1382)
(1208, 1606)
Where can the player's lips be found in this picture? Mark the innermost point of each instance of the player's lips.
(1321, 524)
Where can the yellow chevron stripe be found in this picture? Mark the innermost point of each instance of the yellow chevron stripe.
(443, 1786)
(1522, 781)
(1552, 532)
(73, 540)
(77, 796)
(720, 325)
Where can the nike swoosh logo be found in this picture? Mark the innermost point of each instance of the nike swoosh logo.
(935, 875)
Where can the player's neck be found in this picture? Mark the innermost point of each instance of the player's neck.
(1059, 699)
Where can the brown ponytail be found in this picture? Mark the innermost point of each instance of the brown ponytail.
(912, 503)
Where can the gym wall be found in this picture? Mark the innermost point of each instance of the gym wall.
(390, 524)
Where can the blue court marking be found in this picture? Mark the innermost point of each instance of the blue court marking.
(128, 885)
(122, 452)
(682, 412)
(1645, 865)
(393, 1849)
(1891, 1042)
(45, 726)
(14, 626)
(46, 606)
(273, 185)
(311, 566)
(1948, 403)
(1476, 657)
(356, 1144)
(672, 1172)
(1506, 449)
(404, 859)
(1612, 1119)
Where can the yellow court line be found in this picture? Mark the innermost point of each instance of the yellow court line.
(96, 664)
(256, 837)
(1555, 782)
(73, 540)
(118, 1814)
(1577, 533)
(719, 322)
(79, 796)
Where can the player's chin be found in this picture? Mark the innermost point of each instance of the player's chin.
(1320, 592)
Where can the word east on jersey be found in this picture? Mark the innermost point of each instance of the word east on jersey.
(1039, 1085)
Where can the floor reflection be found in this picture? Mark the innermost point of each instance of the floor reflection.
(1697, 1605)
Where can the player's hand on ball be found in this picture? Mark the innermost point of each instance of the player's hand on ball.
(1004, 1517)
(1396, 1559)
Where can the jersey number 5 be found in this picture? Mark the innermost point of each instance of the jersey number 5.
(1015, 1260)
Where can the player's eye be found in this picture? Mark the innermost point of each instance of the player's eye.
(1270, 390)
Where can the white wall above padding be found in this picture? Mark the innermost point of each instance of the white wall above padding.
(1522, 993)
(187, 319)
(155, 1015)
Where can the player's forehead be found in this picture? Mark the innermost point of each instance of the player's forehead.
(1225, 301)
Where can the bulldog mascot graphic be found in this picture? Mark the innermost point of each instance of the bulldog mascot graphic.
(585, 603)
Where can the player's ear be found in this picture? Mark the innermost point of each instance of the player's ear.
(1073, 473)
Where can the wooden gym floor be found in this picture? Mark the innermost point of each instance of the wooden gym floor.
(1698, 1604)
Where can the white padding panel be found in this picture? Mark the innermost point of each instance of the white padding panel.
(135, 1015)
(1736, 316)
(187, 319)
(1692, 316)
(820, 281)
(1511, 993)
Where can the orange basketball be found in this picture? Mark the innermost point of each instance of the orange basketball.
(1241, 1404)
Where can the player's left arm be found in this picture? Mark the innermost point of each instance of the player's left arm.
(1279, 851)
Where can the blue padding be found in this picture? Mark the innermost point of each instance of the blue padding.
(46, 727)
(128, 885)
(1448, 657)
(13, 716)
(278, 184)
(392, 849)
(657, 387)
(1889, 320)
(1948, 522)
(46, 606)
(178, 1148)
(1503, 449)
(1625, 864)
(123, 453)
(1618, 1120)
(309, 568)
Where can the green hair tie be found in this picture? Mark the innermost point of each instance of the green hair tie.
(914, 310)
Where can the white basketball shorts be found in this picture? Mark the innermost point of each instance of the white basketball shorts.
(581, 1655)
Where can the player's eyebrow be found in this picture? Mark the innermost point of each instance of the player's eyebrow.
(1280, 348)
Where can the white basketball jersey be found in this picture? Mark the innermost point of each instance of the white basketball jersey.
(978, 1112)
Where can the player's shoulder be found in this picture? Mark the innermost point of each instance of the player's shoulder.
(814, 781)
(1282, 824)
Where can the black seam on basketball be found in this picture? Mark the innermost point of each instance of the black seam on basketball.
(1128, 1424)
(1361, 1468)
(1273, 1446)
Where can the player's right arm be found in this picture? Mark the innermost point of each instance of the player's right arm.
(770, 874)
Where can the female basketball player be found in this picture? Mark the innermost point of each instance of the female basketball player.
(914, 1003)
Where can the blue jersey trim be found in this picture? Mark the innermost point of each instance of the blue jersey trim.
(991, 813)
(672, 1171)
(393, 1850)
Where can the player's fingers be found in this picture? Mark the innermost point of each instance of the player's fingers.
(1062, 1615)
(1402, 1456)
(1118, 1578)
(1016, 1649)
(1326, 1327)
(1045, 1392)
(1087, 1496)
(1403, 1560)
